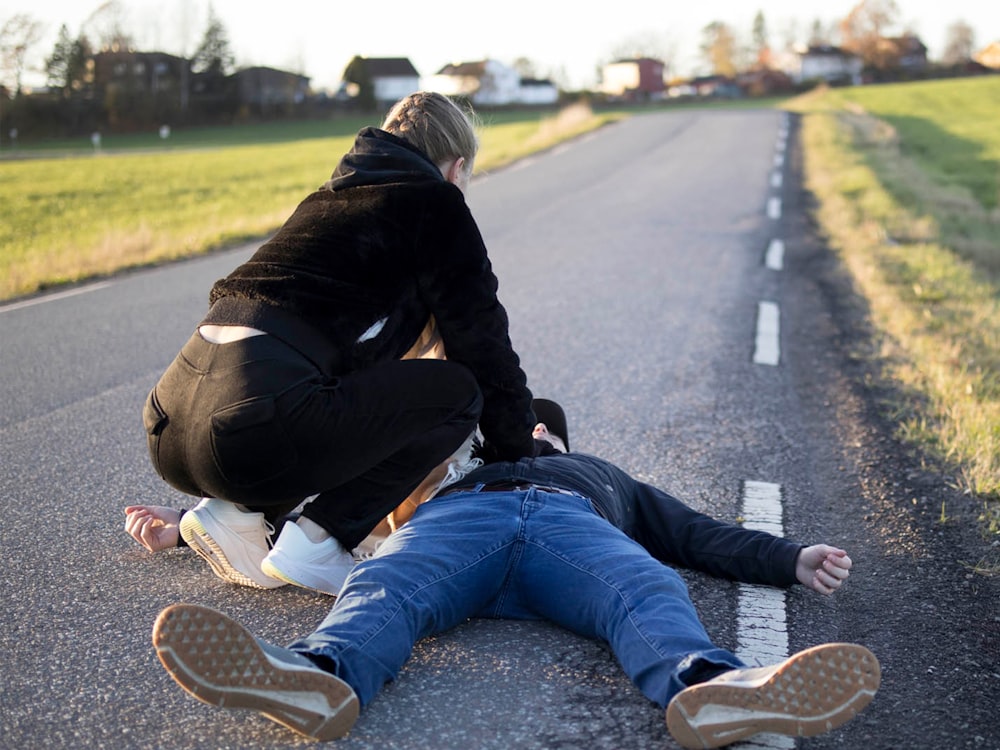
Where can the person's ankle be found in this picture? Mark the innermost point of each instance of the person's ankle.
(313, 531)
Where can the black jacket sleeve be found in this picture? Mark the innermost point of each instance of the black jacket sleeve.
(669, 529)
(457, 283)
(676, 533)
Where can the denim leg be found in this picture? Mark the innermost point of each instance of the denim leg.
(437, 571)
(584, 574)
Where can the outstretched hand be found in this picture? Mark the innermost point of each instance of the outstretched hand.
(822, 568)
(153, 526)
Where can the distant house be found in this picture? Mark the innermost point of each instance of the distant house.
(905, 53)
(145, 73)
(267, 89)
(825, 63)
(764, 82)
(719, 86)
(392, 78)
(487, 83)
(989, 56)
(538, 91)
(638, 79)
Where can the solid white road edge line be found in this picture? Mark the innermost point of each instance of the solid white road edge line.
(54, 296)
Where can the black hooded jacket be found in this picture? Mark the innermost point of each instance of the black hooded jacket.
(368, 258)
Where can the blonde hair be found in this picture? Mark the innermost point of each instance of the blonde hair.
(436, 125)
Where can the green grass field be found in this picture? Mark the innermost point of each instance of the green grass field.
(72, 213)
(937, 150)
(948, 127)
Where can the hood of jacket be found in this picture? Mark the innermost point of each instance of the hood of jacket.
(381, 158)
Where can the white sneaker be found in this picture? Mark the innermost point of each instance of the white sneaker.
(809, 693)
(232, 541)
(320, 566)
(221, 663)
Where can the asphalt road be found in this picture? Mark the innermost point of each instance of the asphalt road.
(631, 263)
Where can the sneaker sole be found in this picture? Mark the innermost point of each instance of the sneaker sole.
(204, 545)
(220, 663)
(814, 691)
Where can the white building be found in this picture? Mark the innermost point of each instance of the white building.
(492, 84)
(822, 63)
(392, 78)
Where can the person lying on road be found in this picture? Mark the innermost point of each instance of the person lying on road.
(509, 541)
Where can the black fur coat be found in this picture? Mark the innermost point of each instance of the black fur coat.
(370, 256)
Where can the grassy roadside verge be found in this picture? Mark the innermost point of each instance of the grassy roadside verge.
(74, 216)
(921, 237)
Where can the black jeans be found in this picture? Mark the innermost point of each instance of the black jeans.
(255, 422)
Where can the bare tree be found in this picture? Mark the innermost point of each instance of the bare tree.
(788, 34)
(185, 16)
(719, 48)
(648, 44)
(525, 67)
(864, 28)
(959, 44)
(560, 77)
(18, 35)
(107, 26)
(819, 34)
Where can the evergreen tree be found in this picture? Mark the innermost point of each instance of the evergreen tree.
(761, 44)
(67, 66)
(214, 55)
(356, 73)
(57, 64)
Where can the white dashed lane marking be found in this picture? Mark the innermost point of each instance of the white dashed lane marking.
(767, 350)
(775, 257)
(761, 621)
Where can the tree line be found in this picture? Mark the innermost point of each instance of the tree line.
(73, 102)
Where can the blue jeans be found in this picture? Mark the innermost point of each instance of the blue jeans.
(518, 555)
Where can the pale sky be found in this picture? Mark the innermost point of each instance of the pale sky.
(318, 39)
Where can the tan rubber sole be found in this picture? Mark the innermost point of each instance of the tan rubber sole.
(219, 662)
(812, 692)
